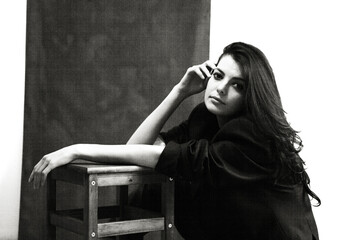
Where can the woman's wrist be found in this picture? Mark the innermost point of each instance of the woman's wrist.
(180, 92)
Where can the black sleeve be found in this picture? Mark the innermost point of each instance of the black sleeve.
(200, 124)
(179, 134)
(233, 157)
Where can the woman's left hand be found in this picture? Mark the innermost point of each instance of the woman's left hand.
(195, 78)
(48, 163)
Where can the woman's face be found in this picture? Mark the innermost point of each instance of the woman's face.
(224, 94)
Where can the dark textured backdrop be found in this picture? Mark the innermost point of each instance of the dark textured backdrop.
(94, 71)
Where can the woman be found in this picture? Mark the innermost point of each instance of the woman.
(235, 159)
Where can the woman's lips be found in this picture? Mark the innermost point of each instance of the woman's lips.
(216, 100)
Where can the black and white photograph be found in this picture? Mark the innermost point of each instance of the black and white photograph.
(179, 120)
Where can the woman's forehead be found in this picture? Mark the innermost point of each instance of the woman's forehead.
(229, 67)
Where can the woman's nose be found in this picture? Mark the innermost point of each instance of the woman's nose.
(221, 88)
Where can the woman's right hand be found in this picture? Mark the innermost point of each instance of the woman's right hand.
(195, 79)
(49, 162)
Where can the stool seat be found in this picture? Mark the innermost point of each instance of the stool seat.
(84, 166)
(95, 222)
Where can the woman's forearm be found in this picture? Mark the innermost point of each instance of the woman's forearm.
(142, 155)
(139, 149)
(149, 130)
(194, 81)
(138, 154)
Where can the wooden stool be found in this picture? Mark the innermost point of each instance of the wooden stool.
(90, 222)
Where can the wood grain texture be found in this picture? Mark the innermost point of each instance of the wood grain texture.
(130, 227)
(90, 214)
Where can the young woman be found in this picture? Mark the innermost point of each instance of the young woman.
(235, 159)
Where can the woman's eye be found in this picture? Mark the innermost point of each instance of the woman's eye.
(217, 76)
(238, 86)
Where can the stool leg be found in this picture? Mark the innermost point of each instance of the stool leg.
(123, 200)
(167, 208)
(91, 207)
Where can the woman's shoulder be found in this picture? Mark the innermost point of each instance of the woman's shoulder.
(201, 122)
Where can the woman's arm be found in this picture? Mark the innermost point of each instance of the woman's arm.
(149, 130)
(139, 154)
(194, 81)
(137, 151)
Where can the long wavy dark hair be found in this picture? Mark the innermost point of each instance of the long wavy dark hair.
(263, 103)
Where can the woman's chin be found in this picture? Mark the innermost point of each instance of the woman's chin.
(214, 109)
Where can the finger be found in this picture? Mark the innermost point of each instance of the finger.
(36, 167)
(210, 64)
(38, 173)
(199, 73)
(31, 176)
(205, 70)
(44, 164)
(35, 180)
(44, 175)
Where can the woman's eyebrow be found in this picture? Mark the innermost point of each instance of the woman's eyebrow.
(237, 78)
(219, 70)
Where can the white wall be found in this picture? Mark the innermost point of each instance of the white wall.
(12, 77)
(313, 47)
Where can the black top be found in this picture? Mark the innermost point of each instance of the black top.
(225, 186)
